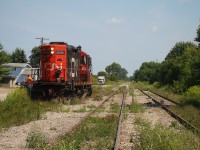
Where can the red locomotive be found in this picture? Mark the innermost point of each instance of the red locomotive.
(64, 70)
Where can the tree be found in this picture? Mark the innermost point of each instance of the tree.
(197, 39)
(4, 58)
(149, 71)
(35, 57)
(123, 74)
(113, 68)
(18, 56)
(181, 67)
(179, 49)
(116, 72)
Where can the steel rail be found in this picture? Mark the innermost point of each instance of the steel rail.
(174, 115)
(119, 124)
(90, 113)
(177, 103)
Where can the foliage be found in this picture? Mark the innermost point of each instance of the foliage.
(35, 57)
(94, 79)
(192, 96)
(197, 39)
(179, 49)
(116, 72)
(19, 56)
(12, 113)
(4, 58)
(147, 72)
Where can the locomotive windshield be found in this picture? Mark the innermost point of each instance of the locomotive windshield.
(60, 52)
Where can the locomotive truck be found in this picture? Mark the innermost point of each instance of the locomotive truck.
(64, 70)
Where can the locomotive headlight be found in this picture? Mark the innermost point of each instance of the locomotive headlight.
(52, 50)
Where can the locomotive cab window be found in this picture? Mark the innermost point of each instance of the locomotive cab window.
(60, 52)
(84, 60)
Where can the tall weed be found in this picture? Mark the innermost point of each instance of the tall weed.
(160, 137)
(18, 109)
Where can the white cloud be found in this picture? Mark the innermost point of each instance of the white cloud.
(114, 20)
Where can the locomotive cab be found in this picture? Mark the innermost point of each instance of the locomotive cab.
(53, 62)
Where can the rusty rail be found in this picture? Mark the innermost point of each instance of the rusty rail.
(119, 124)
(177, 103)
(174, 115)
(90, 113)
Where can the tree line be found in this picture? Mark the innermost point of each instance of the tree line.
(180, 69)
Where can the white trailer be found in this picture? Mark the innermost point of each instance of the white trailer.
(101, 79)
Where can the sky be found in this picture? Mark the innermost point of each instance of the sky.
(128, 32)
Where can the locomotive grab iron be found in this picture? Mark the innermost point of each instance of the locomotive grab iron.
(64, 70)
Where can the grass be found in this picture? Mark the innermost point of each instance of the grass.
(189, 113)
(160, 137)
(136, 108)
(76, 101)
(99, 92)
(36, 140)
(19, 109)
(95, 133)
(81, 110)
(114, 108)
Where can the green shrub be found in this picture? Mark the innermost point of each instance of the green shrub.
(36, 140)
(192, 96)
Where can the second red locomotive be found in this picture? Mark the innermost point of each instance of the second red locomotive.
(64, 70)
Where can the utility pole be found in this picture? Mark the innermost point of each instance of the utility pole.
(42, 40)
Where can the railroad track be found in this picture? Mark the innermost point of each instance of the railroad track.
(117, 140)
(90, 113)
(165, 103)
